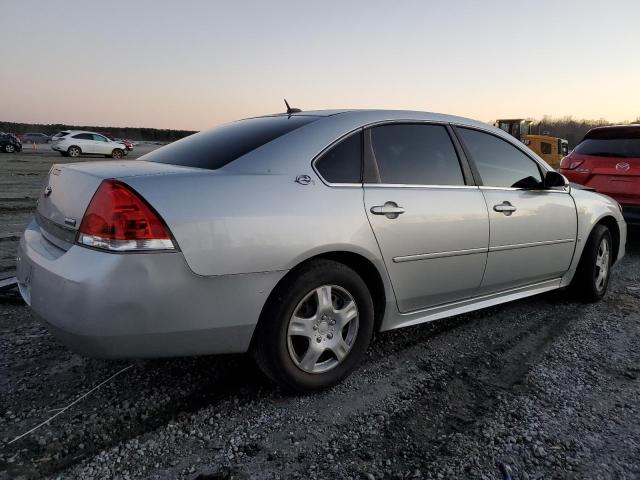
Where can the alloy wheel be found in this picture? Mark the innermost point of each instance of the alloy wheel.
(602, 264)
(322, 329)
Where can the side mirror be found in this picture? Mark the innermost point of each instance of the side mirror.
(554, 179)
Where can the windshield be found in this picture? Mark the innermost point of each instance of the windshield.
(217, 147)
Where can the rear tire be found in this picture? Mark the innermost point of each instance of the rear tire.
(316, 327)
(591, 279)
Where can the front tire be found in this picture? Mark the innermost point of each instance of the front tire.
(74, 151)
(592, 275)
(316, 327)
(8, 148)
(117, 153)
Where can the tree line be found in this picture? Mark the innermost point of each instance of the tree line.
(129, 133)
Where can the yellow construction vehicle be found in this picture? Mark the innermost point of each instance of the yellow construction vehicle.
(551, 149)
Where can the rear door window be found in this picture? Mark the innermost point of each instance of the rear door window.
(83, 136)
(215, 148)
(499, 163)
(342, 163)
(415, 154)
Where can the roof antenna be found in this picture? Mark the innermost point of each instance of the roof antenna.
(291, 110)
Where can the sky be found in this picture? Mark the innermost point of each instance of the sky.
(195, 64)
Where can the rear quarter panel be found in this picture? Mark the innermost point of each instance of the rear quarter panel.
(242, 223)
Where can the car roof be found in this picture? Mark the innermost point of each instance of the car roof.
(383, 114)
(82, 131)
(306, 142)
(613, 131)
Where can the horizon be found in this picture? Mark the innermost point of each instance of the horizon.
(199, 64)
(546, 118)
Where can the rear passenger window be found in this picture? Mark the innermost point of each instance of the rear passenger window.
(83, 136)
(342, 163)
(500, 164)
(414, 154)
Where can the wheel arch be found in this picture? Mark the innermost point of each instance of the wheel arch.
(612, 224)
(363, 266)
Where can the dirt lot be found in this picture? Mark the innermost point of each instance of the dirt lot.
(543, 387)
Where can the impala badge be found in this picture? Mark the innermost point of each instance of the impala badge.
(623, 166)
(47, 191)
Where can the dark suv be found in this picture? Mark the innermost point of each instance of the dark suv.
(9, 143)
(35, 138)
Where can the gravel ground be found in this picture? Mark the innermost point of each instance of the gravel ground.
(542, 388)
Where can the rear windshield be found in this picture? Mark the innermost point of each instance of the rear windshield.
(611, 142)
(614, 147)
(217, 147)
(61, 134)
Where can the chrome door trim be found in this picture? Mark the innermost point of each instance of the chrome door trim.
(426, 256)
(405, 185)
(500, 248)
(512, 189)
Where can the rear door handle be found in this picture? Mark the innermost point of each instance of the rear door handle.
(505, 207)
(389, 210)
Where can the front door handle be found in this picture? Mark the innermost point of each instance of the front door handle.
(389, 210)
(505, 207)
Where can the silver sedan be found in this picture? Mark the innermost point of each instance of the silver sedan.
(297, 236)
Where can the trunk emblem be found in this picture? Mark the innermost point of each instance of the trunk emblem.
(47, 191)
(623, 166)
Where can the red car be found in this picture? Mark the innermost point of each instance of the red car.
(608, 160)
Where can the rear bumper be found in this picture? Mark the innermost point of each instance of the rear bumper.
(137, 305)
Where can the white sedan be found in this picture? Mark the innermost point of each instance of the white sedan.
(73, 143)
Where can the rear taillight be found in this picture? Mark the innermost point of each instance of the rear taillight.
(569, 164)
(118, 219)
